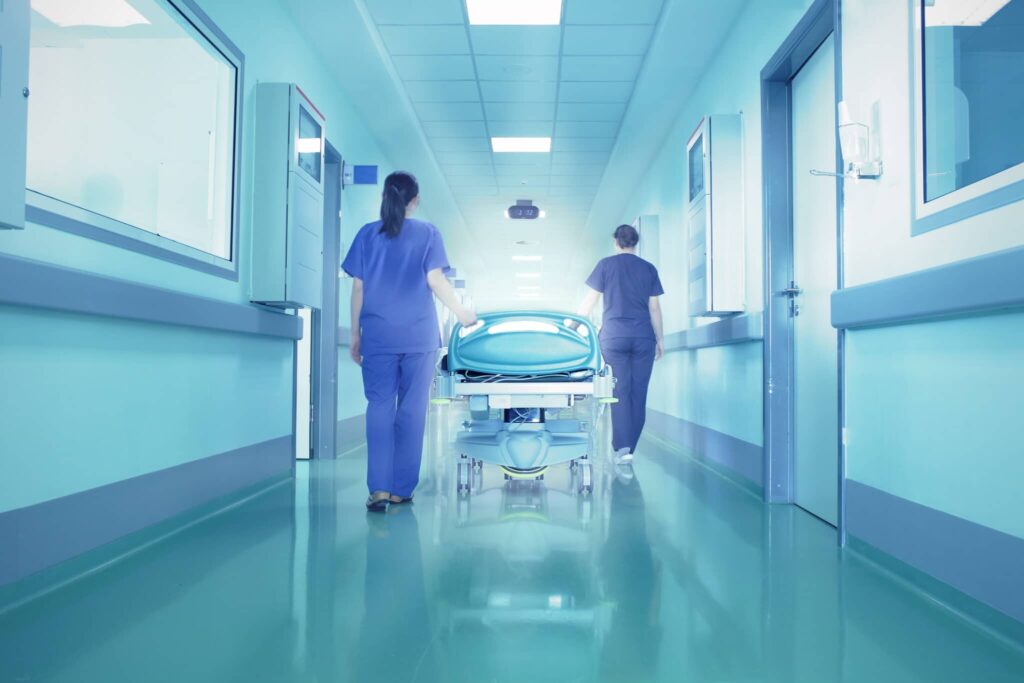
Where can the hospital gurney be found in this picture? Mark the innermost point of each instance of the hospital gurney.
(528, 367)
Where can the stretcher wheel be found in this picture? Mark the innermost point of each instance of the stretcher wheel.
(464, 471)
(586, 478)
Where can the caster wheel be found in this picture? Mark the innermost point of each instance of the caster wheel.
(586, 479)
(463, 474)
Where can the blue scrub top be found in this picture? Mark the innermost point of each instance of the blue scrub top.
(627, 282)
(398, 314)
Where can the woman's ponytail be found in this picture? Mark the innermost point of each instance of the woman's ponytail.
(400, 189)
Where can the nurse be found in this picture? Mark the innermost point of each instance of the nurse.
(398, 265)
(631, 333)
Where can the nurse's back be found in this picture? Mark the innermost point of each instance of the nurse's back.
(398, 313)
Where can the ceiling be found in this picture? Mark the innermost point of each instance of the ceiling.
(572, 82)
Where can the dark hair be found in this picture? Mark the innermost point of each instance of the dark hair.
(626, 236)
(400, 188)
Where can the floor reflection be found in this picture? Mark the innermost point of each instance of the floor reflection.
(666, 573)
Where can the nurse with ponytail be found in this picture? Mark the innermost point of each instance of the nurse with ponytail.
(398, 265)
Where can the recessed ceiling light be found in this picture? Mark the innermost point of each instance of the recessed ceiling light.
(537, 145)
(528, 276)
(961, 12)
(106, 13)
(514, 12)
(529, 258)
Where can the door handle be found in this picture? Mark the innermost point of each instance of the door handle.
(792, 290)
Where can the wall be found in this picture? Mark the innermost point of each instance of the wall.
(716, 388)
(932, 408)
(88, 402)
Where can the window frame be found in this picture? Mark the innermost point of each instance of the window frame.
(1000, 189)
(53, 213)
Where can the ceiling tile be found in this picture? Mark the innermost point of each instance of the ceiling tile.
(612, 11)
(590, 111)
(595, 91)
(520, 129)
(607, 40)
(443, 91)
(454, 170)
(450, 111)
(589, 181)
(600, 68)
(477, 192)
(586, 129)
(425, 40)
(516, 40)
(579, 170)
(520, 111)
(455, 129)
(446, 158)
(518, 91)
(509, 68)
(418, 12)
(560, 144)
(435, 68)
(470, 182)
(524, 159)
(461, 144)
(588, 158)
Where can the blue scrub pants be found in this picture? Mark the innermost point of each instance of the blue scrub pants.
(632, 361)
(397, 387)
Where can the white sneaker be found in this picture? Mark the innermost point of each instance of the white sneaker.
(623, 457)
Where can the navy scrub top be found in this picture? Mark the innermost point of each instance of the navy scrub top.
(627, 282)
(398, 314)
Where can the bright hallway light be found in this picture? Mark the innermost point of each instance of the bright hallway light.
(528, 258)
(514, 12)
(106, 13)
(961, 12)
(535, 145)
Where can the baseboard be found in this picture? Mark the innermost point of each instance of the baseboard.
(740, 459)
(978, 561)
(351, 433)
(40, 536)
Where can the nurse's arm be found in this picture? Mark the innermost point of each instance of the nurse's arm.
(589, 302)
(659, 328)
(444, 291)
(357, 309)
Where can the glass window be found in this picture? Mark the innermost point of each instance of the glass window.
(697, 168)
(310, 144)
(973, 67)
(132, 120)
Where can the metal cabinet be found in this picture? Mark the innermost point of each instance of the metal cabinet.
(14, 50)
(715, 216)
(288, 198)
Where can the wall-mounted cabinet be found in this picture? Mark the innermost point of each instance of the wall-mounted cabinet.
(288, 198)
(715, 217)
(14, 49)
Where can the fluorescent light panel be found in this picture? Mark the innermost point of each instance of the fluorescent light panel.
(536, 145)
(514, 12)
(961, 12)
(106, 13)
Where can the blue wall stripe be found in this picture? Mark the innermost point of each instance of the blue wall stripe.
(32, 283)
(977, 285)
(736, 455)
(983, 563)
(734, 330)
(45, 534)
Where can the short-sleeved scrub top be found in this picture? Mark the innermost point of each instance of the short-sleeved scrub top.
(398, 313)
(627, 282)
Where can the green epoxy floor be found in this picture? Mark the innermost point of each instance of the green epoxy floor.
(675, 575)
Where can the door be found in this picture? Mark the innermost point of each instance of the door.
(815, 276)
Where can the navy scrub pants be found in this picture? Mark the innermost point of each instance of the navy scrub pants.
(397, 387)
(632, 361)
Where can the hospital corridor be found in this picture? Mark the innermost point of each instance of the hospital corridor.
(511, 341)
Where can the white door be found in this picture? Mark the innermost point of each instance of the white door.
(303, 385)
(815, 366)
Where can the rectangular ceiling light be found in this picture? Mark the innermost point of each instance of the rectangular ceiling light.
(105, 13)
(521, 144)
(514, 12)
(961, 12)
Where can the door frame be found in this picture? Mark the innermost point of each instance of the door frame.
(324, 370)
(822, 19)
